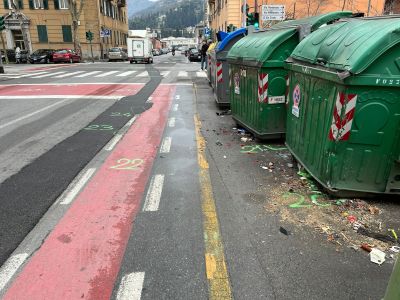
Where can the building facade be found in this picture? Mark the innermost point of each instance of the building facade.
(222, 13)
(47, 24)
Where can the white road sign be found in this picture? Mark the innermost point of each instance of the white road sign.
(273, 12)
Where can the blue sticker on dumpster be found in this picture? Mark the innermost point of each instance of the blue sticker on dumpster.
(296, 100)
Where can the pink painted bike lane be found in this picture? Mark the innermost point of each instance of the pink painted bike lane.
(81, 257)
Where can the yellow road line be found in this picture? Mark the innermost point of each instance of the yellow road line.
(217, 275)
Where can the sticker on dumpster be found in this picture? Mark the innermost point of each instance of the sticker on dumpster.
(296, 100)
(342, 117)
(276, 100)
(263, 87)
(236, 80)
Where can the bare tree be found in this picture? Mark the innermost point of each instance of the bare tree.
(313, 6)
(75, 9)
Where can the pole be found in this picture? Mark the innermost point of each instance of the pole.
(244, 12)
(369, 7)
(4, 48)
(91, 50)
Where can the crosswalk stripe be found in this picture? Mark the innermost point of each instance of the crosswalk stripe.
(143, 74)
(33, 74)
(68, 74)
(126, 74)
(183, 74)
(88, 74)
(201, 74)
(106, 74)
(165, 73)
(48, 75)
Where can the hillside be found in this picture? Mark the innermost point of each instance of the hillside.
(170, 17)
(135, 7)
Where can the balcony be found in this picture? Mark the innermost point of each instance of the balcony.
(121, 3)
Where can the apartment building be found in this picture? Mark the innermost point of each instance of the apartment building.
(222, 13)
(45, 24)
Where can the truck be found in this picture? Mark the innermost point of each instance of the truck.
(140, 47)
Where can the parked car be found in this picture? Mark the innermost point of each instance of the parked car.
(11, 56)
(164, 50)
(117, 53)
(156, 52)
(41, 56)
(194, 55)
(66, 55)
(188, 49)
(183, 50)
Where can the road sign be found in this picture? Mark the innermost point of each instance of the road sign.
(206, 31)
(105, 33)
(273, 12)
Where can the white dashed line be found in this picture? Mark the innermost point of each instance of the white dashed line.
(131, 286)
(111, 144)
(175, 108)
(88, 74)
(126, 74)
(166, 145)
(171, 122)
(131, 121)
(9, 268)
(183, 74)
(143, 74)
(165, 73)
(154, 193)
(68, 74)
(48, 75)
(106, 74)
(76, 187)
(201, 74)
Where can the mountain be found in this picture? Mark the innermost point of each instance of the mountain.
(136, 6)
(169, 17)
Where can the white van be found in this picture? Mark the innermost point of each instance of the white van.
(140, 49)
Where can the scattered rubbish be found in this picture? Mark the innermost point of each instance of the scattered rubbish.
(264, 167)
(218, 143)
(270, 164)
(290, 165)
(375, 235)
(224, 112)
(393, 233)
(241, 131)
(356, 226)
(284, 231)
(355, 248)
(352, 219)
(377, 256)
(245, 139)
(234, 128)
(340, 202)
(366, 247)
(395, 249)
(224, 156)
(373, 210)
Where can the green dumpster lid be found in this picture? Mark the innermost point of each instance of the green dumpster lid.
(350, 45)
(257, 48)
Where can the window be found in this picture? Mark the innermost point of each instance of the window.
(42, 32)
(38, 4)
(63, 4)
(9, 4)
(67, 33)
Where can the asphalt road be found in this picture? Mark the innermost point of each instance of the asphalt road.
(164, 252)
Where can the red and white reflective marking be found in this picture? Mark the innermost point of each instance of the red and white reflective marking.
(263, 87)
(219, 72)
(343, 115)
(81, 257)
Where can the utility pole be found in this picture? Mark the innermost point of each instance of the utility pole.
(369, 7)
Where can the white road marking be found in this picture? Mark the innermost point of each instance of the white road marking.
(143, 74)
(9, 268)
(66, 97)
(165, 73)
(166, 145)
(201, 74)
(106, 74)
(68, 74)
(154, 193)
(178, 97)
(175, 108)
(131, 121)
(171, 122)
(76, 187)
(126, 74)
(23, 75)
(131, 286)
(183, 74)
(88, 74)
(32, 113)
(111, 144)
(48, 75)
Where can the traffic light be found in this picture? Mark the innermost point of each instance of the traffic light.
(256, 20)
(252, 19)
(2, 24)
(89, 35)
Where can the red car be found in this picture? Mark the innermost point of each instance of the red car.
(66, 55)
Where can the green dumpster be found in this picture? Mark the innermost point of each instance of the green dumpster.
(258, 78)
(393, 289)
(343, 116)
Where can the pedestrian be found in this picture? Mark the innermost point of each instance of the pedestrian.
(204, 49)
(18, 55)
